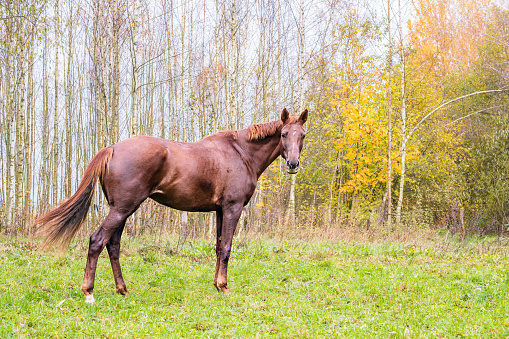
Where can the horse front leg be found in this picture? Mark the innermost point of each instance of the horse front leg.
(219, 223)
(231, 216)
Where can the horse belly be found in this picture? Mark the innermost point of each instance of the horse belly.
(184, 201)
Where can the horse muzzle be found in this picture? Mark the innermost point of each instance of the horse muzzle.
(292, 166)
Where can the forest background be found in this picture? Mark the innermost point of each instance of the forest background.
(408, 105)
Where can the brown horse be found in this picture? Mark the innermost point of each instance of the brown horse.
(218, 173)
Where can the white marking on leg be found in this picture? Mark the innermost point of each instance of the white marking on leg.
(90, 299)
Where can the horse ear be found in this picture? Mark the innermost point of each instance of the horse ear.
(303, 117)
(284, 116)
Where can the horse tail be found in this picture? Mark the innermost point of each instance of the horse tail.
(59, 225)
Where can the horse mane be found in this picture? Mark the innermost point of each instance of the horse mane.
(230, 134)
(257, 132)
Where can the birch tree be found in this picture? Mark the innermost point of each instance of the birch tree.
(389, 120)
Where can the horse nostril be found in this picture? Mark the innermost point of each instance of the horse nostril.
(292, 164)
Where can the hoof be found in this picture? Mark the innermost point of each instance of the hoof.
(222, 288)
(122, 291)
(225, 290)
(89, 299)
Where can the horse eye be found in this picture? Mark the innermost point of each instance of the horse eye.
(283, 135)
(303, 136)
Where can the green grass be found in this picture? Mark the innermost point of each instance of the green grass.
(279, 289)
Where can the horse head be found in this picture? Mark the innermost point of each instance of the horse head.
(292, 139)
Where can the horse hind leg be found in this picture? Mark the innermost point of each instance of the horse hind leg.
(112, 224)
(113, 247)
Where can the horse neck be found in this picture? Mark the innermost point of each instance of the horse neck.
(262, 153)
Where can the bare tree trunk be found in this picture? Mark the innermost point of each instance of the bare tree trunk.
(134, 75)
(44, 176)
(54, 197)
(115, 116)
(234, 82)
(389, 125)
(290, 214)
(19, 33)
(20, 123)
(68, 109)
(29, 135)
(403, 141)
(183, 88)
(353, 208)
(339, 160)
(168, 21)
(261, 70)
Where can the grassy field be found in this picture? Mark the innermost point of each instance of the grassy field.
(279, 289)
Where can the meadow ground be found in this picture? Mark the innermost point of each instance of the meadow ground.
(281, 289)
